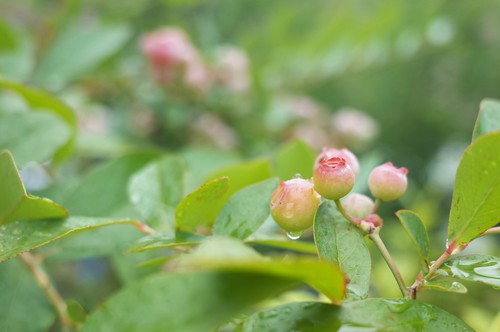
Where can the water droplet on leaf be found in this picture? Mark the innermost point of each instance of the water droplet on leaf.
(294, 235)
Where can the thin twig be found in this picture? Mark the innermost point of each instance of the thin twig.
(42, 278)
(492, 230)
(375, 237)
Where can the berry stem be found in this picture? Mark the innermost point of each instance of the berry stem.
(375, 237)
(341, 209)
(42, 278)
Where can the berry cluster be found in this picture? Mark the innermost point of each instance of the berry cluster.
(294, 202)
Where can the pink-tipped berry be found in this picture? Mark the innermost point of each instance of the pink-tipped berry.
(294, 204)
(387, 182)
(357, 205)
(333, 178)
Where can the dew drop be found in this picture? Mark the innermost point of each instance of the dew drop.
(294, 235)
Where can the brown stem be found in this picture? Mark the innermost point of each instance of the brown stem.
(42, 278)
(492, 230)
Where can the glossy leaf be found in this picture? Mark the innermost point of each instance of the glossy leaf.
(32, 136)
(446, 285)
(488, 119)
(183, 302)
(478, 268)
(18, 237)
(246, 211)
(200, 208)
(42, 101)
(364, 315)
(103, 191)
(340, 241)
(18, 289)
(158, 188)
(15, 203)
(474, 207)
(77, 50)
(244, 174)
(415, 229)
(295, 157)
(229, 254)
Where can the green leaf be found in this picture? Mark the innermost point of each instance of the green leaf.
(41, 101)
(488, 119)
(184, 302)
(32, 136)
(416, 231)
(229, 254)
(200, 208)
(338, 240)
(364, 315)
(474, 206)
(295, 157)
(244, 174)
(446, 285)
(479, 268)
(15, 203)
(19, 237)
(157, 188)
(103, 192)
(78, 50)
(246, 211)
(22, 297)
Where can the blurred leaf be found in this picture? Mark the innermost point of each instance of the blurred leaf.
(200, 208)
(161, 240)
(8, 40)
(77, 50)
(495, 325)
(246, 211)
(478, 268)
(295, 157)
(416, 231)
(229, 254)
(184, 302)
(103, 192)
(244, 174)
(15, 203)
(367, 163)
(32, 136)
(157, 188)
(364, 315)
(22, 297)
(445, 285)
(18, 237)
(76, 312)
(474, 207)
(41, 101)
(338, 240)
(488, 119)
(299, 246)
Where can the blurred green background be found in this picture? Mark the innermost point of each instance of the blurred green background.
(418, 68)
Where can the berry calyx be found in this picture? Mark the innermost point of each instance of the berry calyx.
(350, 158)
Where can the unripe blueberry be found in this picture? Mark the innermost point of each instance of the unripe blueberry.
(294, 204)
(333, 178)
(357, 205)
(350, 158)
(387, 182)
